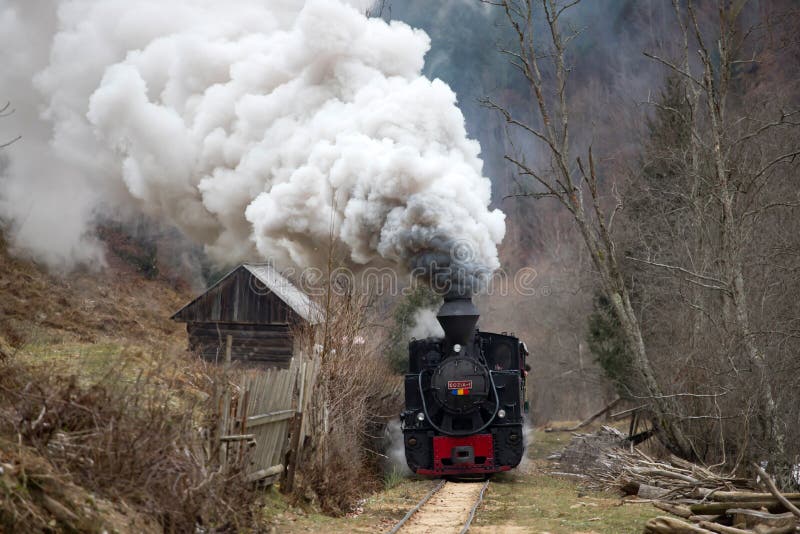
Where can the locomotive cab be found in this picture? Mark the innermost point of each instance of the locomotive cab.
(465, 397)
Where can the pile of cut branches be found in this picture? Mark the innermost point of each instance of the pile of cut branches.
(636, 473)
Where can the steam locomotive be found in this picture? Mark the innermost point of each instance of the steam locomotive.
(464, 397)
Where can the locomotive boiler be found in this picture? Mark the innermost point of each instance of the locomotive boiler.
(464, 397)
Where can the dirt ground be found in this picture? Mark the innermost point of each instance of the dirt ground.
(526, 500)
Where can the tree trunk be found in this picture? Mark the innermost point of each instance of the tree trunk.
(738, 303)
(666, 413)
(736, 298)
(665, 410)
(560, 183)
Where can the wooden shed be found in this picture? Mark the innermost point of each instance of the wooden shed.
(257, 307)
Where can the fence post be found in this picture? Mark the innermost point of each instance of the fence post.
(296, 426)
(226, 404)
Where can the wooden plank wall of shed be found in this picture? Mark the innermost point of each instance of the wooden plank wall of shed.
(262, 345)
(239, 298)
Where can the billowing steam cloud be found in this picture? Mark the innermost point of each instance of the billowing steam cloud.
(253, 126)
(425, 324)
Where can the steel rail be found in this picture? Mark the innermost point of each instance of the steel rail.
(433, 492)
(478, 502)
(419, 505)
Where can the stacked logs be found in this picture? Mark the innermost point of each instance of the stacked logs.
(727, 512)
(704, 502)
(697, 499)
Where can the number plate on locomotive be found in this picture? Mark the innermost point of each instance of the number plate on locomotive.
(459, 384)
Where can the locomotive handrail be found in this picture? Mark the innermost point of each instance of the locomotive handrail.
(466, 433)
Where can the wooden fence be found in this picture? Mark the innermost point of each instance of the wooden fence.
(262, 418)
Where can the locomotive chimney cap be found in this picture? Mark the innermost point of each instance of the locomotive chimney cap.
(458, 315)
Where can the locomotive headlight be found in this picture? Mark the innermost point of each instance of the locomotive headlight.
(420, 417)
(456, 348)
(501, 413)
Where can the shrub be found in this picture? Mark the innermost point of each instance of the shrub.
(354, 396)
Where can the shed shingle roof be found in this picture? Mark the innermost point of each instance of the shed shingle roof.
(278, 284)
(297, 300)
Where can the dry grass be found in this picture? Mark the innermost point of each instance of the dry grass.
(34, 497)
(134, 435)
(537, 502)
(529, 499)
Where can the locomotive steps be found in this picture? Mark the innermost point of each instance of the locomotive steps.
(448, 508)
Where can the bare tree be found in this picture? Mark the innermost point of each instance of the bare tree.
(5, 111)
(541, 60)
(736, 159)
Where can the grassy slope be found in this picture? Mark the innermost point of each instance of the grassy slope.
(84, 323)
(84, 313)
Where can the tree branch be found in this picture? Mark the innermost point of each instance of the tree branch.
(774, 490)
(676, 268)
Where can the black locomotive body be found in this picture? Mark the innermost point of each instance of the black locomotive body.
(464, 397)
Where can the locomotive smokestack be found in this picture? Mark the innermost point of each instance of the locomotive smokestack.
(458, 316)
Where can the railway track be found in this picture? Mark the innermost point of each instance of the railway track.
(448, 507)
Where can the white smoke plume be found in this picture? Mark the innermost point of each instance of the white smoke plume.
(395, 460)
(426, 325)
(255, 127)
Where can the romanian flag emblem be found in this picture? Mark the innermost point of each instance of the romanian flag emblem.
(459, 387)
